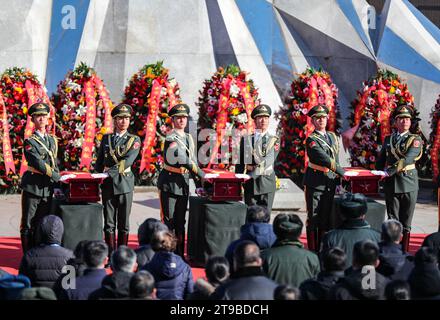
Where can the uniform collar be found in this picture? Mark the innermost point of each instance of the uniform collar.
(403, 134)
(120, 135)
(43, 136)
(322, 133)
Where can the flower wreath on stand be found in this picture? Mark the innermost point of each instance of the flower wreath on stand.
(19, 89)
(225, 105)
(151, 93)
(371, 118)
(84, 116)
(312, 87)
(434, 144)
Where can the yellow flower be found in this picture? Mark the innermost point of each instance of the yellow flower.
(68, 90)
(25, 110)
(235, 111)
(103, 130)
(19, 90)
(99, 136)
(392, 90)
(364, 153)
(277, 183)
(65, 118)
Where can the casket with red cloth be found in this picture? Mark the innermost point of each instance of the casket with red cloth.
(363, 181)
(79, 186)
(224, 185)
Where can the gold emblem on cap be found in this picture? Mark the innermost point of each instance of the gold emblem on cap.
(40, 106)
(124, 108)
(181, 108)
(320, 108)
(404, 109)
(263, 108)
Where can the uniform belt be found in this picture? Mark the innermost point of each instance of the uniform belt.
(33, 170)
(180, 170)
(125, 171)
(409, 167)
(316, 167)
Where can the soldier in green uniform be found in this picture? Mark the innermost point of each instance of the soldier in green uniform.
(40, 151)
(173, 182)
(398, 157)
(258, 153)
(116, 155)
(321, 175)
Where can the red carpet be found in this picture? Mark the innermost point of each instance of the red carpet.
(10, 252)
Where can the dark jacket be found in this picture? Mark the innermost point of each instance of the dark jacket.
(425, 282)
(350, 232)
(248, 283)
(394, 263)
(350, 288)
(202, 290)
(287, 262)
(43, 264)
(173, 277)
(433, 241)
(260, 233)
(85, 285)
(319, 287)
(114, 286)
(144, 255)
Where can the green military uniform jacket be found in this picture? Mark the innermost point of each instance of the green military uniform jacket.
(179, 152)
(397, 154)
(324, 154)
(262, 157)
(118, 159)
(41, 157)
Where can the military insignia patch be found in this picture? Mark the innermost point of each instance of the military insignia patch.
(416, 143)
(28, 147)
(312, 144)
(136, 145)
(173, 145)
(277, 146)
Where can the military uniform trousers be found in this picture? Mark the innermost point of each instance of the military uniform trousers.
(34, 208)
(319, 206)
(400, 206)
(117, 208)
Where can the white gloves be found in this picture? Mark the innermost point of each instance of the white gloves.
(211, 175)
(99, 175)
(242, 176)
(67, 177)
(379, 173)
(351, 173)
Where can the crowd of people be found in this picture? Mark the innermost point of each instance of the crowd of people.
(267, 262)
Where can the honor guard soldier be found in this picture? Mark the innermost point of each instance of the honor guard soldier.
(116, 155)
(40, 151)
(398, 157)
(258, 153)
(179, 162)
(321, 175)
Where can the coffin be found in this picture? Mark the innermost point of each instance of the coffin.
(364, 181)
(227, 186)
(81, 186)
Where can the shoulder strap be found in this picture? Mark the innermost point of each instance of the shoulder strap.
(325, 143)
(112, 151)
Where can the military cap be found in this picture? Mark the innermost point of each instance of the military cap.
(122, 110)
(403, 111)
(353, 206)
(39, 108)
(318, 111)
(261, 110)
(180, 109)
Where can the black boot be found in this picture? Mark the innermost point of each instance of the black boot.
(311, 239)
(180, 249)
(110, 240)
(26, 242)
(122, 238)
(405, 240)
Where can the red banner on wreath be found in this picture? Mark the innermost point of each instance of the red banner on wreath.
(172, 101)
(7, 150)
(434, 153)
(106, 103)
(384, 114)
(249, 105)
(222, 118)
(29, 129)
(90, 127)
(150, 125)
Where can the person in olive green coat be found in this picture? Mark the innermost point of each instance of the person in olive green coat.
(398, 156)
(287, 262)
(258, 153)
(116, 155)
(40, 151)
(321, 176)
(173, 183)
